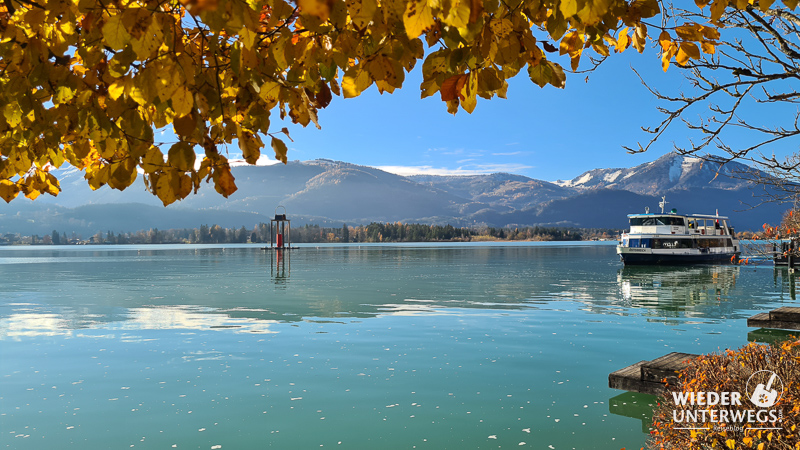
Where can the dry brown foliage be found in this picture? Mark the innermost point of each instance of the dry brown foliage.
(729, 371)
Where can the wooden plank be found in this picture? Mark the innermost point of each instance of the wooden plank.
(665, 367)
(646, 376)
(785, 314)
(628, 378)
(760, 320)
(763, 320)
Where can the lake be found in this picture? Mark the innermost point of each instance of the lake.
(349, 346)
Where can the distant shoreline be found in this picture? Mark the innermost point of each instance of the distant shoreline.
(314, 234)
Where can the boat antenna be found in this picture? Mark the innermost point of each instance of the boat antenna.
(663, 203)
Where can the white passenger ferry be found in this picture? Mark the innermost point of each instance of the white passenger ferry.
(672, 238)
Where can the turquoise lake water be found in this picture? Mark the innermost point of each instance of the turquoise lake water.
(348, 346)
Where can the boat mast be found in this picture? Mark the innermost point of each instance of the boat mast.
(663, 203)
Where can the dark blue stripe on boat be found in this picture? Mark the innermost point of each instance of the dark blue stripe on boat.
(709, 258)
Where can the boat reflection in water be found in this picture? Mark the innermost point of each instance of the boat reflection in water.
(678, 291)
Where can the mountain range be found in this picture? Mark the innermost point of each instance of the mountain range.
(330, 193)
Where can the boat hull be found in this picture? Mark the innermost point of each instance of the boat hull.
(648, 258)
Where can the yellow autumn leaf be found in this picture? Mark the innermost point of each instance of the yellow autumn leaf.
(8, 190)
(708, 48)
(469, 93)
(571, 43)
(31, 193)
(181, 156)
(686, 51)
(63, 95)
(547, 72)
(690, 32)
(51, 184)
(622, 41)
(317, 8)
(184, 125)
(181, 185)
(665, 40)
(116, 89)
(248, 37)
(667, 56)
(153, 160)
(182, 101)
(718, 8)
(250, 144)
(458, 15)
(646, 8)
(280, 150)
(540, 73)
(361, 12)
(710, 33)
(13, 114)
(164, 188)
(601, 48)
(115, 34)
(356, 82)
(223, 181)
(417, 18)
(569, 7)
(639, 37)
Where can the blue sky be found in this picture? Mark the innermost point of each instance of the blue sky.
(545, 133)
(542, 133)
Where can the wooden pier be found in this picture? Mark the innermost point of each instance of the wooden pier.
(647, 377)
(784, 318)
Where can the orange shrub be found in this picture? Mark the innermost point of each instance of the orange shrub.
(730, 371)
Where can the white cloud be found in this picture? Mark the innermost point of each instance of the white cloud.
(263, 160)
(472, 169)
(507, 154)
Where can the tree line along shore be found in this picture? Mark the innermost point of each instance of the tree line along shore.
(374, 232)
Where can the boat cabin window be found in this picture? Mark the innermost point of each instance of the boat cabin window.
(640, 243)
(709, 243)
(699, 224)
(672, 243)
(657, 220)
